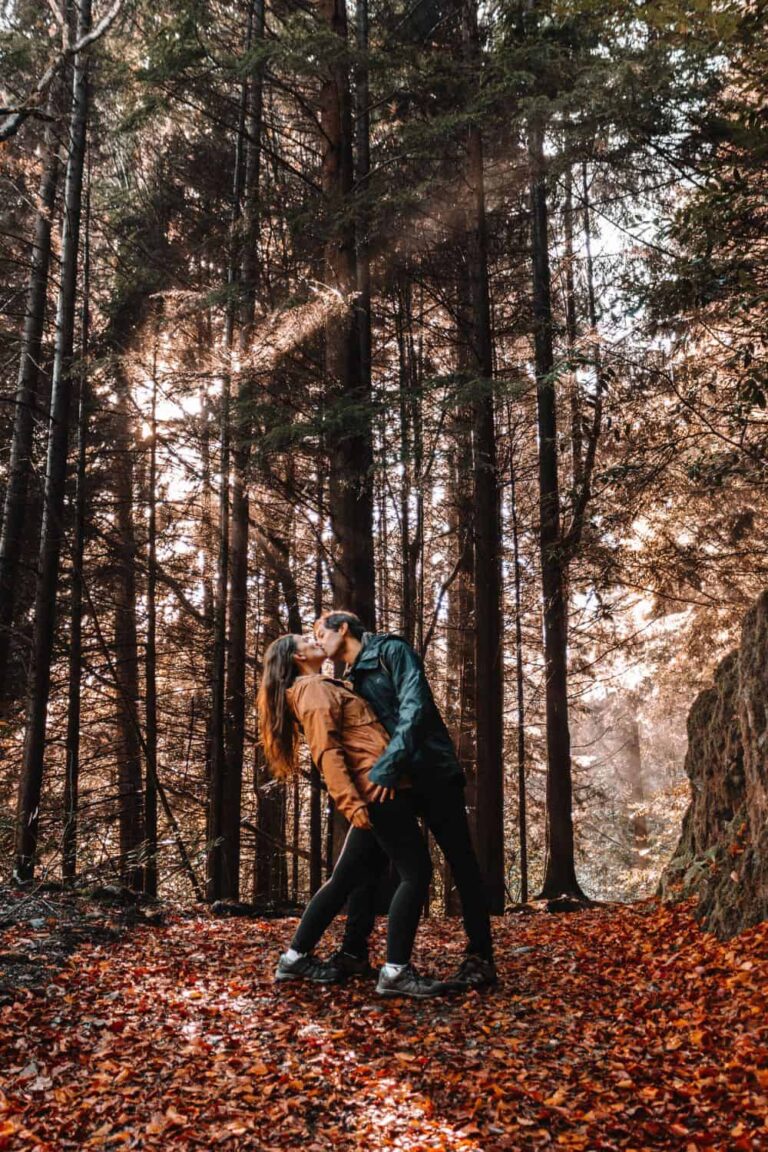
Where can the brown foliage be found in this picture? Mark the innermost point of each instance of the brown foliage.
(617, 1028)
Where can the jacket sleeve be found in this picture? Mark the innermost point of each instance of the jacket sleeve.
(413, 697)
(319, 713)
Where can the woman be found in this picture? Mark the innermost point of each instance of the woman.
(345, 739)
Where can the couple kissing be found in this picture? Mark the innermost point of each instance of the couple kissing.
(387, 760)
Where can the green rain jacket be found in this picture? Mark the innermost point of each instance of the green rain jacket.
(390, 676)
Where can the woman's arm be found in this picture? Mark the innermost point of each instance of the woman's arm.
(318, 710)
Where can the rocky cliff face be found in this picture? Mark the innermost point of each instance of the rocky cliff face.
(722, 856)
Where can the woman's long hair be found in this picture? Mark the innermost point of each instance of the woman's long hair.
(277, 724)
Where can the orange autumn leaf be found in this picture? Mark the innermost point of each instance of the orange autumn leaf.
(609, 1044)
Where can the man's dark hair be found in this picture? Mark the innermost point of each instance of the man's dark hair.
(333, 620)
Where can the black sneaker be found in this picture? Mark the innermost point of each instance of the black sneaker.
(350, 966)
(408, 982)
(474, 972)
(307, 967)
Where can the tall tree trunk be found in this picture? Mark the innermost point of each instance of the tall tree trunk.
(315, 794)
(295, 838)
(589, 437)
(204, 340)
(489, 683)
(383, 537)
(72, 769)
(522, 799)
(128, 746)
(207, 543)
(560, 871)
(330, 825)
(348, 399)
(408, 553)
(362, 173)
(460, 699)
(271, 873)
(30, 784)
(223, 859)
(460, 710)
(150, 790)
(415, 359)
(217, 865)
(20, 465)
(571, 328)
(238, 591)
(639, 820)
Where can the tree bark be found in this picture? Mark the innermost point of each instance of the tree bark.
(72, 749)
(460, 699)
(639, 821)
(571, 327)
(348, 396)
(362, 173)
(271, 872)
(239, 525)
(128, 745)
(489, 642)
(207, 544)
(585, 436)
(383, 536)
(150, 791)
(409, 542)
(522, 800)
(315, 794)
(15, 504)
(295, 838)
(560, 869)
(223, 858)
(583, 492)
(30, 784)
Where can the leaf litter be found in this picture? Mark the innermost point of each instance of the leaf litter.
(618, 1028)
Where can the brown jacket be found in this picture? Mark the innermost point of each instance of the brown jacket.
(345, 739)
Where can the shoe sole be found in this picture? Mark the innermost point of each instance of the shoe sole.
(280, 977)
(393, 994)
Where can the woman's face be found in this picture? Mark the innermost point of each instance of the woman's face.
(308, 650)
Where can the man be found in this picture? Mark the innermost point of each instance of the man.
(386, 671)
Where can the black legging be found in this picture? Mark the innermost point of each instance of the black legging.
(396, 834)
(443, 807)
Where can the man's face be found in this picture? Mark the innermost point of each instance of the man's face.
(330, 641)
(308, 649)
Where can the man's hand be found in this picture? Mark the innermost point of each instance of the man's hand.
(361, 819)
(381, 793)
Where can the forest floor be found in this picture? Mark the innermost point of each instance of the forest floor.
(614, 1028)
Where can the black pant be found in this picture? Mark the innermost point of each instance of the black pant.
(396, 835)
(445, 814)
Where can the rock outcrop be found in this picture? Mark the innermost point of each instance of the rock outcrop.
(722, 857)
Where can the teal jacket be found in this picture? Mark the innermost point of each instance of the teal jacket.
(390, 675)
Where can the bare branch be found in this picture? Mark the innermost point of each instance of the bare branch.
(14, 118)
